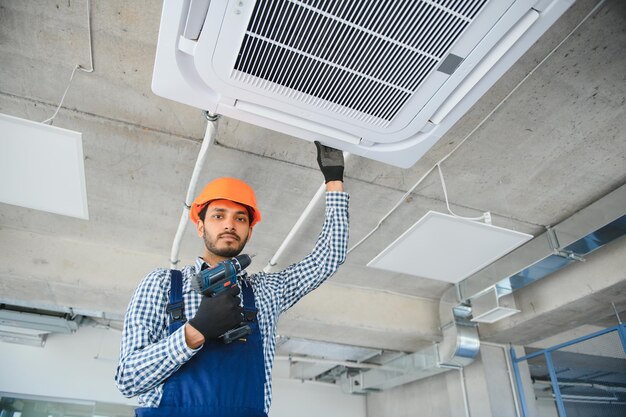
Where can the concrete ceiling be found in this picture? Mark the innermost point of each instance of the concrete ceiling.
(546, 141)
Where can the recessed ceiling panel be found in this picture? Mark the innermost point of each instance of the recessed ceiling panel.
(447, 248)
(41, 167)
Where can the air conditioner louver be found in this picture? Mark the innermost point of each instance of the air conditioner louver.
(364, 76)
(354, 58)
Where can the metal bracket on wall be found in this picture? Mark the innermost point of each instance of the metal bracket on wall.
(556, 247)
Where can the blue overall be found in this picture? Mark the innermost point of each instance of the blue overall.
(225, 380)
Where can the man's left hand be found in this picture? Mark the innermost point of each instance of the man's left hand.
(330, 161)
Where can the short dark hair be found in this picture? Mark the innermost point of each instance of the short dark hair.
(203, 210)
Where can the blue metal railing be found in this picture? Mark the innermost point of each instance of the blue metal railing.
(547, 353)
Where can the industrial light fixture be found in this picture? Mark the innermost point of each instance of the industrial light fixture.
(39, 321)
(447, 248)
(41, 167)
(20, 336)
(316, 348)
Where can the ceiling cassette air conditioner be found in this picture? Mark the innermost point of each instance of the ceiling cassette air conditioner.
(384, 79)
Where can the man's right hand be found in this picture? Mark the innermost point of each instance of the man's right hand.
(216, 315)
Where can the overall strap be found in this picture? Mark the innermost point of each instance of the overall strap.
(176, 307)
(249, 305)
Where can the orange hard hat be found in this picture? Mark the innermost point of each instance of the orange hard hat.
(232, 189)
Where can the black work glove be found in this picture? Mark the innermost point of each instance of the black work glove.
(216, 315)
(330, 161)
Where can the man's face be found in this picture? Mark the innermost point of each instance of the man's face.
(225, 229)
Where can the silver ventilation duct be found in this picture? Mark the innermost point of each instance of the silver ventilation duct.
(559, 246)
(490, 290)
(459, 347)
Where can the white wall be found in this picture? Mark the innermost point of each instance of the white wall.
(74, 366)
(81, 366)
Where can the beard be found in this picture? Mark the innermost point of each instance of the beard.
(226, 251)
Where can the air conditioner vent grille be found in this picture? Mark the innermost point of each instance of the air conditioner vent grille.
(361, 58)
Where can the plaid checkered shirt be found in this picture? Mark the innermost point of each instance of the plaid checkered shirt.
(148, 355)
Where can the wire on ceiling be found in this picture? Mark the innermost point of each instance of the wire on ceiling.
(77, 67)
(437, 165)
(445, 195)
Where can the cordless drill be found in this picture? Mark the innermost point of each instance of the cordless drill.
(210, 282)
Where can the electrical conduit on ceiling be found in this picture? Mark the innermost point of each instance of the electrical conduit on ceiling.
(298, 225)
(209, 138)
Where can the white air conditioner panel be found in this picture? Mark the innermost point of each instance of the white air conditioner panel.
(363, 76)
(215, 59)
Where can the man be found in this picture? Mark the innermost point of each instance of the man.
(189, 371)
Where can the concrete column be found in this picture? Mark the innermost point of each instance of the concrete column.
(498, 379)
(527, 386)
